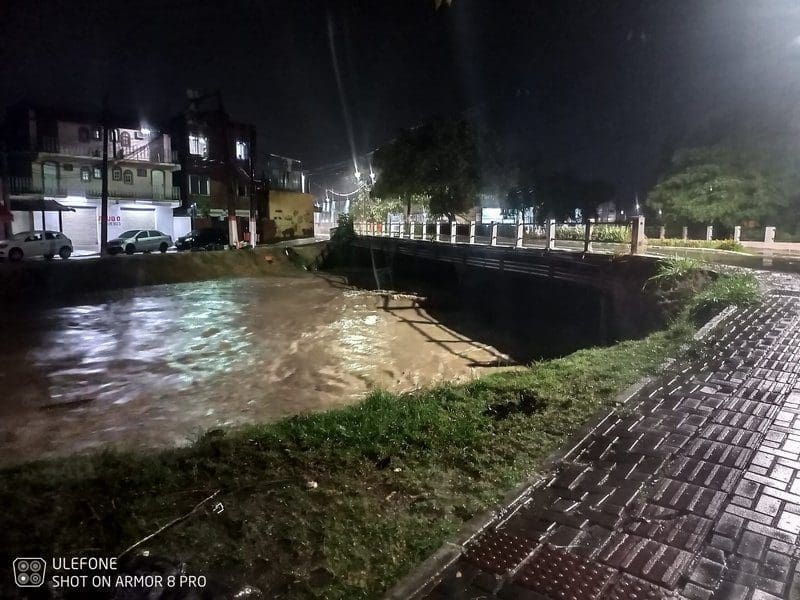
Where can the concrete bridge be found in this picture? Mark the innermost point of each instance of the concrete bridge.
(514, 276)
(506, 249)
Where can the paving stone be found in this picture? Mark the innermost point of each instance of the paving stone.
(696, 491)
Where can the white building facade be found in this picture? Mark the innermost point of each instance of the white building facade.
(63, 162)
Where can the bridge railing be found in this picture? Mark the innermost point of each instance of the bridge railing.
(582, 237)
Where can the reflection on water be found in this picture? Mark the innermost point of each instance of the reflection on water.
(155, 366)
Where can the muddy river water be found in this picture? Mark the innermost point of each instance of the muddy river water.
(156, 366)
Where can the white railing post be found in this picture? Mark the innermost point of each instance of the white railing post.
(424, 230)
(587, 236)
(472, 232)
(402, 230)
(453, 231)
(388, 229)
(769, 235)
(438, 233)
(709, 233)
(662, 232)
(685, 233)
(637, 235)
(494, 234)
(551, 234)
(737, 233)
(520, 233)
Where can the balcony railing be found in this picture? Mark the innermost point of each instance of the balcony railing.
(281, 179)
(153, 152)
(167, 195)
(25, 186)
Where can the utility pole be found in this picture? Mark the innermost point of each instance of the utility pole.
(104, 179)
(251, 150)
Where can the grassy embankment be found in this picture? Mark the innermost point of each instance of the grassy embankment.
(338, 504)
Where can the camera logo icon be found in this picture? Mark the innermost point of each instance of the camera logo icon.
(29, 572)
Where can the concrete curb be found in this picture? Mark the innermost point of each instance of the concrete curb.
(427, 573)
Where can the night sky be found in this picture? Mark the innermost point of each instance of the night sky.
(601, 88)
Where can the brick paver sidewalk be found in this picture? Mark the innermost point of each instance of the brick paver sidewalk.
(693, 490)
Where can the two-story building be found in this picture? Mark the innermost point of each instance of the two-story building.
(57, 155)
(288, 209)
(217, 167)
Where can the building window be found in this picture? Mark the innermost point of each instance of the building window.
(86, 174)
(67, 166)
(127, 176)
(83, 134)
(125, 139)
(241, 150)
(116, 174)
(199, 184)
(138, 135)
(97, 132)
(97, 173)
(141, 172)
(198, 145)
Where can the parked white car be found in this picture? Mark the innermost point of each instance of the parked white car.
(36, 243)
(140, 240)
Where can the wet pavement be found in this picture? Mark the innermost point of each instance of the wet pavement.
(156, 366)
(692, 490)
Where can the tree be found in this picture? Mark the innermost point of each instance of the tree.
(724, 185)
(557, 195)
(439, 161)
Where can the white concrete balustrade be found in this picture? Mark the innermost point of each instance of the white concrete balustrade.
(522, 235)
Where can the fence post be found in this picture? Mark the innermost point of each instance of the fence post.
(551, 234)
(587, 236)
(737, 233)
(402, 230)
(388, 228)
(520, 233)
(494, 234)
(438, 233)
(662, 232)
(685, 233)
(424, 230)
(709, 233)
(472, 232)
(637, 235)
(453, 231)
(769, 235)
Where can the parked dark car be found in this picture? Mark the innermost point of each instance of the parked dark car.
(203, 239)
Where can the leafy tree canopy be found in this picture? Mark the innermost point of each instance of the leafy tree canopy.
(557, 195)
(731, 183)
(446, 161)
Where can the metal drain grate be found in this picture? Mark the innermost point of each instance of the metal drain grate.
(631, 588)
(499, 552)
(560, 574)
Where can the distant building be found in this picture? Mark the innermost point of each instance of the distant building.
(607, 212)
(53, 173)
(289, 207)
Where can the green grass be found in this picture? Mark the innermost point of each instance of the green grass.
(396, 475)
(712, 244)
(740, 289)
(676, 268)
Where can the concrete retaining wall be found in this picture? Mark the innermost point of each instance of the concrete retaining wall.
(64, 282)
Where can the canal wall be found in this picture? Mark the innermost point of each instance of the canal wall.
(60, 282)
(564, 300)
